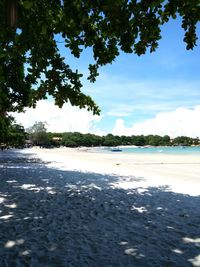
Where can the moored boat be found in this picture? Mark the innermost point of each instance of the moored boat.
(116, 149)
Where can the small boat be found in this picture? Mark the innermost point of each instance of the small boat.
(116, 149)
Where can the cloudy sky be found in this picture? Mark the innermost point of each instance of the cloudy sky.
(156, 93)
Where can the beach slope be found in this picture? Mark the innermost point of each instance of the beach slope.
(65, 207)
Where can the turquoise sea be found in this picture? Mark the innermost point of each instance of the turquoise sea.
(156, 150)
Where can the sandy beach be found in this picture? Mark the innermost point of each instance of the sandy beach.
(77, 207)
(180, 172)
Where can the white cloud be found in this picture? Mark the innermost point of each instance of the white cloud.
(121, 95)
(181, 121)
(59, 120)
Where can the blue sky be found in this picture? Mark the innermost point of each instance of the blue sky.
(156, 93)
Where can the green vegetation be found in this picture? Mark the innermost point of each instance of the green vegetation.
(11, 134)
(78, 139)
(38, 134)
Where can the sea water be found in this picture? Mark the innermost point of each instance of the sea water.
(195, 150)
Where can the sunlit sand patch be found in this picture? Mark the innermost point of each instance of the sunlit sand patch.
(50, 190)
(83, 187)
(17, 167)
(191, 240)
(178, 251)
(2, 199)
(11, 206)
(30, 187)
(139, 209)
(170, 227)
(12, 243)
(123, 243)
(6, 217)
(11, 181)
(133, 252)
(127, 185)
(25, 253)
(196, 261)
(27, 186)
(37, 217)
(26, 218)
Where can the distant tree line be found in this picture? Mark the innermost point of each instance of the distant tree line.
(77, 139)
(39, 136)
(16, 136)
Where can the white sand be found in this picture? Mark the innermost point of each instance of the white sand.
(180, 172)
(82, 208)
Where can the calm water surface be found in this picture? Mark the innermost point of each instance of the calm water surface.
(156, 150)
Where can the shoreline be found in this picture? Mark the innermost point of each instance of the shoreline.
(180, 172)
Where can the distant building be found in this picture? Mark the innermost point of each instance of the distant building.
(28, 143)
(58, 139)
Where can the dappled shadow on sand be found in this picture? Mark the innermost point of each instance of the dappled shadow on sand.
(51, 217)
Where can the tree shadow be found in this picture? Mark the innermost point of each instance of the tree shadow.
(50, 217)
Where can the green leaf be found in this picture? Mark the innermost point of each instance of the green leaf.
(27, 4)
(44, 29)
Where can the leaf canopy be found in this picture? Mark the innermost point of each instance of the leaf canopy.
(32, 66)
